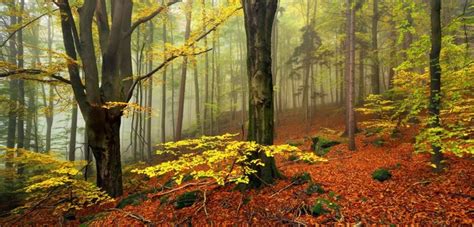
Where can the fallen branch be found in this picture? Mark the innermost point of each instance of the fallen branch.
(182, 187)
(132, 215)
(292, 183)
(416, 183)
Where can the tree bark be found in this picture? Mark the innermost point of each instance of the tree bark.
(350, 122)
(435, 79)
(21, 84)
(375, 77)
(163, 84)
(182, 85)
(72, 136)
(259, 16)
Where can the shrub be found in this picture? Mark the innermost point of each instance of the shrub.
(219, 158)
(54, 183)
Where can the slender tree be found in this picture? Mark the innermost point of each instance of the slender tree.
(435, 79)
(375, 77)
(184, 71)
(350, 69)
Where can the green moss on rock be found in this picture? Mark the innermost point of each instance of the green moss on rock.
(381, 174)
(321, 145)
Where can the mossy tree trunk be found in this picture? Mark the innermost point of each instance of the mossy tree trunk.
(259, 16)
(435, 79)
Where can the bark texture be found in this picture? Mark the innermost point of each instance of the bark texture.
(259, 16)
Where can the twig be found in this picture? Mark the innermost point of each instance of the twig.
(240, 204)
(24, 25)
(182, 187)
(132, 215)
(416, 183)
(292, 183)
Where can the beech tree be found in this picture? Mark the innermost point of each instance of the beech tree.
(259, 16)
(435, 79)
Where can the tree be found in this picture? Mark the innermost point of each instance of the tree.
(184, 71)
(350, 69)
(259, 16)
(102, 103)
(375, 78)
(435, 79)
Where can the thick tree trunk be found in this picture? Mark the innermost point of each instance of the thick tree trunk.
(435, 79)
(103, 137)
(259, 16)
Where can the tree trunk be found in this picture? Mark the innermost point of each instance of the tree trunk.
(163, 84)
(72, 136)
(150, 93)
(375, 77)
(103, 136)
(350, 122)
(361, 94)
(435, 79)
(21, 84)
(182, 85)
(259, 16)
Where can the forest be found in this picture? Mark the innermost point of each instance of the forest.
(236, 112)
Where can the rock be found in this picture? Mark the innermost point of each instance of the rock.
(321, 145)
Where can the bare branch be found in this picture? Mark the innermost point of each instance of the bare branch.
(24, 25)
(146, 76)
(149, 17)
(189, 43)
(35, 72)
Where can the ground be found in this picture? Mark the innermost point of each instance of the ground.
(414, 194)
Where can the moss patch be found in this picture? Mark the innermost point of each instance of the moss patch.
(186, 199)
(321, 145)
(381, 174)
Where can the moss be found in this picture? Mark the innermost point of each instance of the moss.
(318, 209)
(373, 131)
(301, 178)
(186, 199)
(323, 206)
(133, 199)
(293, 157)
(321, 145)
(295, 143)
(314, 188)
(381, 174)
(164, 200)
(379, 142)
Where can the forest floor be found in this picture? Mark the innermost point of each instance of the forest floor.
(414, 194)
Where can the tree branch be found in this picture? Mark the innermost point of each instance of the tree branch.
(189, 43)
(24, 25)
(149, 17)
(35, 72)
(146, 76)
